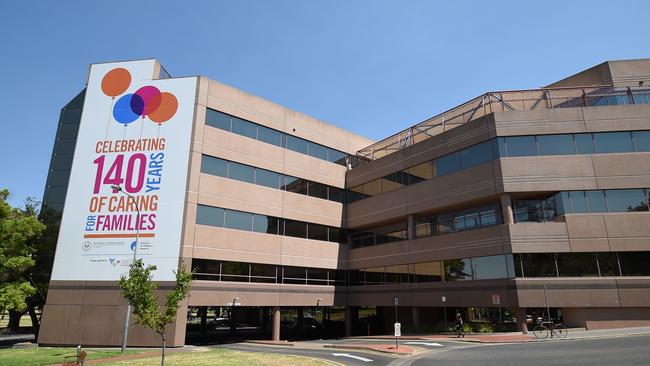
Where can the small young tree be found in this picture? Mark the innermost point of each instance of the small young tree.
(138, 290)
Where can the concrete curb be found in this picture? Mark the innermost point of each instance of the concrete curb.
(367, 348)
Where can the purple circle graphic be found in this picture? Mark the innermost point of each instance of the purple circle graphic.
(151, 97)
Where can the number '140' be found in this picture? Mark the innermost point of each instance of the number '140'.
(136, 164)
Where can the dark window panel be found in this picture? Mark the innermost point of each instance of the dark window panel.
(476, 155)
(426, 272)
(336, 235)
(336, 156)
(538, 264)
(317, 190)
(295, 185)
(608, 264)
(641, 140)
(577, 265)
(268, 178)
(555, 145)
(336, 194)
(317, 232)
(635, 263)
(244, 128)
(264, 273)
(235, 271)
(521, 146)
(356, 277)
(585, 143)
(212, 216)
(458, 270)
(392, 182)
(217, 119)
(265, 224)
(447, 164)
(596, 201)
(354, 194)
(501, 147)
(241, 172)
(419, 173)
(562, 203)
(297, 144)
(239, 220)
(294, 228)
(214, 166)
(626, 200)
(317, 276)
(317, 151)
(375, 276)
(269, 136)
(491, 267)
(613, 142)
(578, 203)
(295, 275)
(372, 188)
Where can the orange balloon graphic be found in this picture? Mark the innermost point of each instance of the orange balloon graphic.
(116, 81)
(166, 110)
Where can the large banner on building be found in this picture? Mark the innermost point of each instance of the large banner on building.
(135, 134)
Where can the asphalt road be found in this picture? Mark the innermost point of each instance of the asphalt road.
(624, 351)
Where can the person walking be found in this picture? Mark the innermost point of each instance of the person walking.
(459, 324)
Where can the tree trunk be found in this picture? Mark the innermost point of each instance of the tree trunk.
(162, 360)
(14, 321)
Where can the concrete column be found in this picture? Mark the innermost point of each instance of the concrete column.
(276, 323)
(506, 209)
(348, 321)
(410, 231)
(520, 314)
(415, 315)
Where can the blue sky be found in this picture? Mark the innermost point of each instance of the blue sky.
(373, 67)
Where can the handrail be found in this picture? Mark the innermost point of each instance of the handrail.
(503, 101)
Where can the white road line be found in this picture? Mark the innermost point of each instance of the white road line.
(432, 344)
(352, 356)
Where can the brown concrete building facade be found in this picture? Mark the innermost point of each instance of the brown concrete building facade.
(509, 204)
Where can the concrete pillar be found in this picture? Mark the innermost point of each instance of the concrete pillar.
(415, 315)
(276, 324)
(506, 209)
(520, 315)
(348, 321)
(410, 231)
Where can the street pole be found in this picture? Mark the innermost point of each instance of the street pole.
(548, 310)
(444, 311)
(395, 302)
(135, 250)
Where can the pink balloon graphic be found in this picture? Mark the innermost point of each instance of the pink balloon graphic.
(151, 97)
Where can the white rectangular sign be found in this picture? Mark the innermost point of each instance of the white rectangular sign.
(398, 329)
(135, 133)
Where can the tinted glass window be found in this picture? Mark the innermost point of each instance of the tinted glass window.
(375, 276)
(447, 164)
(241, 172)
(635, 263)
(335, 156)
(608, 264)
(490, 267)
(317, 232)
(297, 144)
(295, 185)
(476, 154)
(335, 235)
(269, 136)
(555, 145)
(317, 190)
(538, 264)
(239, 220)
(206, 215)
(316, 276)
(458, 270)
(626, 200)
(562, 203)
(578, 204)
(296, 275)
(263, 273)
(244, 128)
(596, 201)
(521, 146)
(214, 166)
(217, 119)
(317, 151)
(577, 264)
(372, 188)
(427, 272)
(336, 194)
(267, 178)
(585, 143)
(641, 140)
(397, 274)
(265, 224)
(613, 142)
(295, 228)
(234, 271)
(393, 181)
(419, 173)
(501, 146)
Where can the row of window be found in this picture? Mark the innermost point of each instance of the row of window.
(252, 130)
(240, 220)
(514, 146)
(582, 264)
(592, 201)
(212, 270)
(478, 268)
(268, 178)
(467, 219)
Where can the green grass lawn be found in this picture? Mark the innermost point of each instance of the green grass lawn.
(48, 355)
(223, 357)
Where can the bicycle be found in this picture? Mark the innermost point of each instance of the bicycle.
(545, 328)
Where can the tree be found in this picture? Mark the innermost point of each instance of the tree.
(18, 229)
(138, 290)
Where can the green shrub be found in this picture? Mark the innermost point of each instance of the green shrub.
(485, 328)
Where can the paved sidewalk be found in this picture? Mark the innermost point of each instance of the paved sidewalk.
(471, 337)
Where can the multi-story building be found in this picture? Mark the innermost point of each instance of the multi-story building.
(507, 205)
